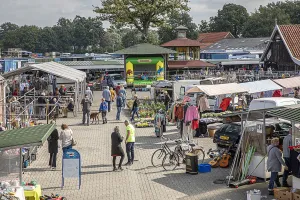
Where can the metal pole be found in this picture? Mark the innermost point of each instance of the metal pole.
(21, 166)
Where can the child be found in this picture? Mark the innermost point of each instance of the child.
(103, 108)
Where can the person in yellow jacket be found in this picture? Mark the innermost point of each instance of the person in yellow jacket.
(112, 94)
(130, 140)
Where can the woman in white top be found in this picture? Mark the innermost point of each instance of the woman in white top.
(66, 137)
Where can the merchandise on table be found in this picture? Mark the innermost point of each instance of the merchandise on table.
(143, 124)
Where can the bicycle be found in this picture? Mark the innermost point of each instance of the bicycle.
(192, 148)
(160, 154)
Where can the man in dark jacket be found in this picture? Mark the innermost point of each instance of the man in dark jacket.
(135, 107)
(116, 148)
(53, 148)
(42, 105)
(119, 105)
(86, 108)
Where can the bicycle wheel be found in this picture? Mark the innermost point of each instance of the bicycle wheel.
(170, 161)
(157, 157)
(200, 154)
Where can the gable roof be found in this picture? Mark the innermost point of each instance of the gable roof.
(213, 37)
(144, 49)
(239, 44)
(290, 34)
(181, 42)
(175, 64)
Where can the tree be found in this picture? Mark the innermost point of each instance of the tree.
(132, 37)
(262, 22)
(168, 31)
(140, 13)
(204, 26)
(64, 31)
(48, 40)
(231, 18)
(291, 8)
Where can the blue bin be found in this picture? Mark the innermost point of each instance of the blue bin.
(204, 168)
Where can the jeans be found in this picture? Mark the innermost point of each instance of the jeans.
(119, 109)
(52, 160)
(120, 163)
(286, 172)
(130, 151)
(108, 105)
(274, 179)
(42, 112)
(135, 111)
(86, 117)
(66, 148)
(103, 113)
(124, 102)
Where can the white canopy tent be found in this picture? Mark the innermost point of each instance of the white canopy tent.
(288, 82)
(59, 70)
(260, 86)
(218, 89)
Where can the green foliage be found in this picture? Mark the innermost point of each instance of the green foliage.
(167, 32)
(231, 18)
(262, 22)
(140, 13)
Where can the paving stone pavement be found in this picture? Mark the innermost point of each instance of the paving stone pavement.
(137, 182)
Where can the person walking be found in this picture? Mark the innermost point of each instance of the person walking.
(107, 96)
(124, 95)
(116, 148)
(103, 109)
(287, 141)
(118, 87)
(112, 94)
(42, 105)
(274, 164)
(89, 93)
(53, 148)
(119, 103)
(66, 137)
(130, 140)
(135, 107)
(86, 108)
(167, 100)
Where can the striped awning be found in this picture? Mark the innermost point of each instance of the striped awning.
(288, 82)
(290, 113)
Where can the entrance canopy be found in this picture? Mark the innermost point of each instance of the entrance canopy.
(51, 68)
(218, 89)
(260, 86)
(288, 82)
(25, 137)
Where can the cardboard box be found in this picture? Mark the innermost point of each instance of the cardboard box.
(283, 193)
(296, 195)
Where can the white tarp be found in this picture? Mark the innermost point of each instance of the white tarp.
(288, 82)
(219, 89)
(260, 86)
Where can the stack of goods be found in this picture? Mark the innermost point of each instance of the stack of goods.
(147, 109)
(215, 115)
(52, 197)
(10, 189)
(144, 124)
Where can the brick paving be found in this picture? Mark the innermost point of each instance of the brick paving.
(137, 182)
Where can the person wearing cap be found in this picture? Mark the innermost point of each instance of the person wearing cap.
(135, 107)
(89, 93)
(130, 140)
(103, 109)
(107, 96)
(86, 109)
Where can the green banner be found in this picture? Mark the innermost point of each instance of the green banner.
(144, 60)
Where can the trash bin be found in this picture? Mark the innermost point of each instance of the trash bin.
(191, 163)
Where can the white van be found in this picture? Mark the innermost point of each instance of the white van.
(272, 102)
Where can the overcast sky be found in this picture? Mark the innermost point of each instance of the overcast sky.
(47, 12)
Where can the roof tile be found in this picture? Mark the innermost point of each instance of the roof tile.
(181, 42)
(213, 37)
(174, 64)
(291, 34)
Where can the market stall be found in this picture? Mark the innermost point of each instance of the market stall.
(13, 145)
(288, 84)
(44, 78)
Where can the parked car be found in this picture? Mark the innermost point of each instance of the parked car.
(114, 79)
(229, 134)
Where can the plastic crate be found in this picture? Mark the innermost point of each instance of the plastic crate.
(204, 168)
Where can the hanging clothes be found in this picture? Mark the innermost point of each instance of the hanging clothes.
(225, 103)
(191, 114)
(203, 104)
(179, 112)
(277, 93)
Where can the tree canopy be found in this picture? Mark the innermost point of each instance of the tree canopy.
(141, 14)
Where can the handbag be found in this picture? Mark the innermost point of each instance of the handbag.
(73, 142)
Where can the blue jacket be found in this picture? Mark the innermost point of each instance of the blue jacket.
(103, 106)
(119, 101)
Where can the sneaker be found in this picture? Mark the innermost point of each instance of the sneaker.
(128, 164)
(115, 169)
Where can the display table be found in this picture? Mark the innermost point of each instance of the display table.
(34, 194)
